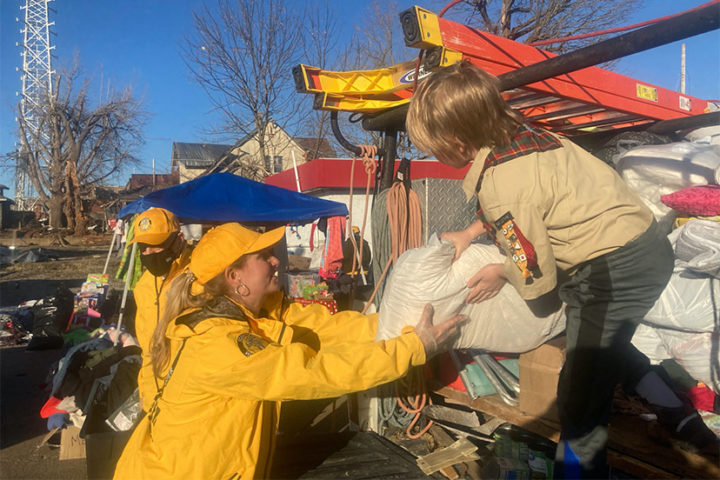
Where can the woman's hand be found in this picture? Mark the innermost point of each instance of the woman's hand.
(437, 338)
(486, 283)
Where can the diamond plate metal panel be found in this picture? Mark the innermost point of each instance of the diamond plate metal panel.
(443, 205)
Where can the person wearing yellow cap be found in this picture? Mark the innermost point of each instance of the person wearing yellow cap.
(225, 366)
(164, 254)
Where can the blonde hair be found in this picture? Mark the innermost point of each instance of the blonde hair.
(178, 299)
(460, 106)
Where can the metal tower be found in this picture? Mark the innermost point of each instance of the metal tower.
(36, 76)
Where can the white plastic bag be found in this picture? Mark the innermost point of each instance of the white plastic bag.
(655, 170)
(503, 323)
(697, 246)
(693, 351)
(690, 299)
(686, 303)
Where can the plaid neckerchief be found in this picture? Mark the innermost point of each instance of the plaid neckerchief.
(525, 142)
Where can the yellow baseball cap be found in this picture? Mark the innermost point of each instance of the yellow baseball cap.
(224, 244)
(154, 226)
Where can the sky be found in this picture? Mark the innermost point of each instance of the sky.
(138, 42)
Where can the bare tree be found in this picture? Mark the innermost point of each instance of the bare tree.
(242, 54)
(376, 43)
(379, 41)
(321, 50)
(78, 143)
(531, 21)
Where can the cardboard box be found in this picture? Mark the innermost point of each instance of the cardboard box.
(539, 374)
(71, 445)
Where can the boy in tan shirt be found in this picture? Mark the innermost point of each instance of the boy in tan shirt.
(572, 232)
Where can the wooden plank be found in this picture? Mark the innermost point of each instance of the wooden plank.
(494, 406)
(635, 467)
(633, 437)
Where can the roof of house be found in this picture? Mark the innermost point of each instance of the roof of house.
(316, 147)
(158, 180)
(198, 155)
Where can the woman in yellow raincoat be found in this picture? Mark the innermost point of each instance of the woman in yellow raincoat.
(238, 350)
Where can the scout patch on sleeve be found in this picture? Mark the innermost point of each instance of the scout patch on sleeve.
(250, 344)
(521, 250)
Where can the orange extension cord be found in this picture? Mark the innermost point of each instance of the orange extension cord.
(414, 382)
(405, 223)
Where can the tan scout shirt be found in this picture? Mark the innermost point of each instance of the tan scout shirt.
(569, 205)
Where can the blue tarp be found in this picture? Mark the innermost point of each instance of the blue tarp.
(224, 197)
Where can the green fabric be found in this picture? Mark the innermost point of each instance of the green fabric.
(124, 261)
(97, 356)
(75, 336)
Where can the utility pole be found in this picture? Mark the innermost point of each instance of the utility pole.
(682, 70)
(36, 77)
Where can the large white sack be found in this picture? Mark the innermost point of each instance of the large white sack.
(687, 301)
(709, 135)
(427, 274)
(655, 170)
(648, 341)
(693, 351)
(697, 246)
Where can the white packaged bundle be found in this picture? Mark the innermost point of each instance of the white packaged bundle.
(697, 246)
(503, 323)
(688, 301)
(655, 170)
(693, 351)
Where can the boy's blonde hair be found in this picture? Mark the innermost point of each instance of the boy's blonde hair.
(460, 106)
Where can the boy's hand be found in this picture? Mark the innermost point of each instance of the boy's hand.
(437, 338)
(486, 283)
(461, 240)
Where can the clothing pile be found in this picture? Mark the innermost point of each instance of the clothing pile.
(12, 328)
(37, 323)
(97, 376)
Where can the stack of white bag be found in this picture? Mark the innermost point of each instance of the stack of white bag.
(655, 170)
(684, 321)
(428, 274)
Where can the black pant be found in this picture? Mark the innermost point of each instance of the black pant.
(606, 298)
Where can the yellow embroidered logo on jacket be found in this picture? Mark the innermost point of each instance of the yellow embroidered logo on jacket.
(250, 344)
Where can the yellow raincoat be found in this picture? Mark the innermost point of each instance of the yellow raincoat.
(146, 298)
(218, 414)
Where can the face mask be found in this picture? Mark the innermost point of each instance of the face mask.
(158, 263)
